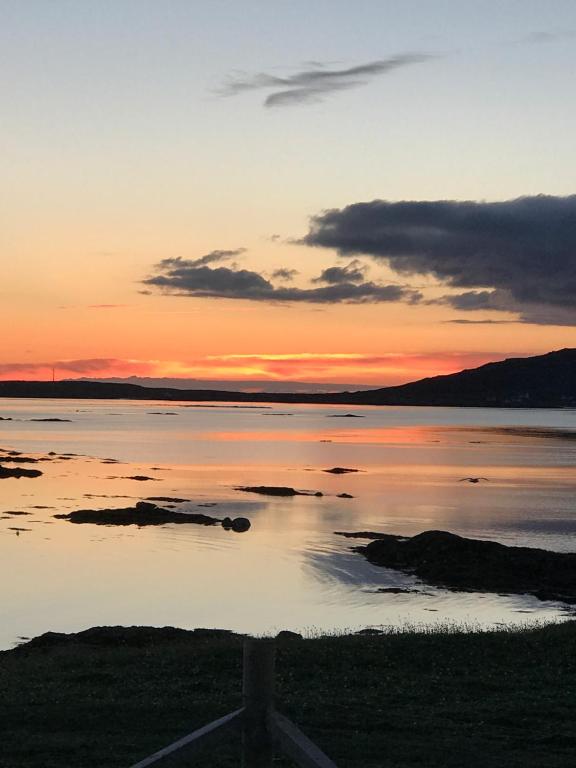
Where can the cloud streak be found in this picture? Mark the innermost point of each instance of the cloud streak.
(317, 81)
(186, 277)
(256, 369)
(517, 256)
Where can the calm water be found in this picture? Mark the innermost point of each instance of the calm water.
(289, 571)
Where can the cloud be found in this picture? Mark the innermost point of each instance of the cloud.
(351, 273)
(91, 366)
(317, 81)
(184, 277)
(285, 274)
(463, 321)
(213, 257)
(255, 369)
(546, 36)
(518, 255)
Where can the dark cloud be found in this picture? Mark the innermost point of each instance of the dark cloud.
(284, 274)
(184, 277)
(351, 273)
(518, 255)
(473, 300)
(318, 81)
(463, 321)
(213, 257)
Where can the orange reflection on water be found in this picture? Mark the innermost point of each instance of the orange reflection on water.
(392, 435)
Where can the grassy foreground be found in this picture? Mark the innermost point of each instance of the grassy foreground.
(427, 699)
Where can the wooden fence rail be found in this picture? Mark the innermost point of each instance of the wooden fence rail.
(263, 728)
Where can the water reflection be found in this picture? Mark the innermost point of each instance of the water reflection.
(289, 570)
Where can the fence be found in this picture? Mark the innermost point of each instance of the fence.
(262, 727)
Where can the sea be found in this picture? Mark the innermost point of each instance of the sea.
(291, 570)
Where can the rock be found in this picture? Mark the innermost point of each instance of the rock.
(6, 472)
(238, 524)
(276, 490)
(141, 478)
(167, 499)
(370, 631)
(454, 562)
(144, 513)
(345, 496)
(21, 459)
(53, 420)
(340, 470)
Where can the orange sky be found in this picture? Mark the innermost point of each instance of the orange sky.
(114, 163)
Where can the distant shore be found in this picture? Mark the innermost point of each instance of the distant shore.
(443, 699)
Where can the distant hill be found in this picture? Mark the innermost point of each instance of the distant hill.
(236, 385)
(545, 381)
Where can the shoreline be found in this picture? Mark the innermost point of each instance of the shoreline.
(110, 696)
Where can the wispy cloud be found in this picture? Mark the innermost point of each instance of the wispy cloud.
(317, 81)
(257, 369)
(543, 37)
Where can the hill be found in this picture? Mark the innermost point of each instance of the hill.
(544, 381)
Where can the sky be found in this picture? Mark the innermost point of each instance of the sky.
(324, 191)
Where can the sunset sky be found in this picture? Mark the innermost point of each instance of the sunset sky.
(325, 191)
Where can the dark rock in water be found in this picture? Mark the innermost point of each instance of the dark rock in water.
(276, 490)
(167, 499)
(361, 535)
(454, 562)
(345, 496)
(17, 459)
(143, 513)
(53, 420)
(396, 591)
(340, 470)
(237, 524)
(141, 478)
(6, 472)
(345, 416)
(5, 418)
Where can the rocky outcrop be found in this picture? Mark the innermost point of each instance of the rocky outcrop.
(276, 490)
(144, 513)
(6, 472)
(454, 562)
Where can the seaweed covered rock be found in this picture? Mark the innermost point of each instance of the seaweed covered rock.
(144, 513)
(447, 560)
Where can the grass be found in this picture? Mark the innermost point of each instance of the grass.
(416, 698)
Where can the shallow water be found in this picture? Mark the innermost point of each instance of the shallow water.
(290, 571)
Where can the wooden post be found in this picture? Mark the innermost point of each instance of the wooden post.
(258, 690)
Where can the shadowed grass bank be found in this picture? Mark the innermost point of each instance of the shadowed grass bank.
(111, 696)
